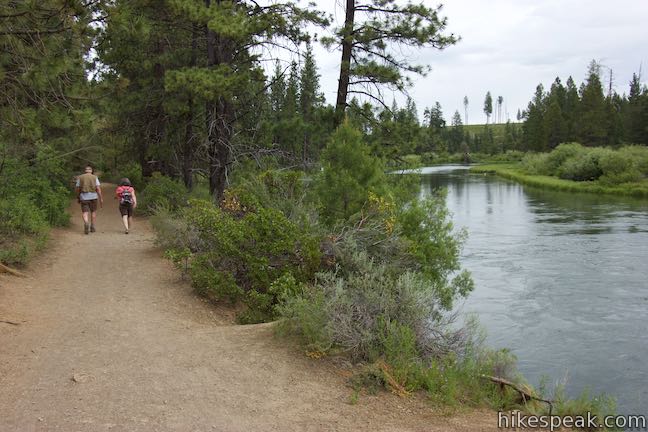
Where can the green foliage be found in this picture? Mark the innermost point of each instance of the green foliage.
(427, 229)
(582, 167)
(349, 174)
(162, 192)
(619, 167)
(133, 172)
(242, 252)
(31, 200)
(584, 404)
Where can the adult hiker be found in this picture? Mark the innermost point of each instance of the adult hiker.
(125, 193)
(88, 190)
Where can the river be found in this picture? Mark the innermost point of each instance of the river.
(561, 279)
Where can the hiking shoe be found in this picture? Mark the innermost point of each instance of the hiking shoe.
(86, 228)
(92, 228)
(126, 232)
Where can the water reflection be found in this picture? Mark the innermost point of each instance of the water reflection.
(560, 279)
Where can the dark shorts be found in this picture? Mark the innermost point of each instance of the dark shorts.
(126, 209)
(89, 206)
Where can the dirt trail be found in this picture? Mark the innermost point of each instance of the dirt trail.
(109, 339)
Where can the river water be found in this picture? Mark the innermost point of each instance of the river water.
(561, 279)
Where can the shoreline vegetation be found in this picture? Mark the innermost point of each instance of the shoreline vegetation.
(515, 172)
(574, 168)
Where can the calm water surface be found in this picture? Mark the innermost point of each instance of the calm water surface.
(560, 278)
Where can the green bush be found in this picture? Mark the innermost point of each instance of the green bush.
(536, 163)
(618, 167)
(32, 198)
(639, 154)
(585, 166)
(253, 256)
(561, 154)
(21, 216)
(162, 192)
(358, 303)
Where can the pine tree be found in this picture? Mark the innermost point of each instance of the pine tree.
(593, 122)
(571, 109)
(634, 118)
(500, 101)
(311, 101)
(456, 134)
(42, 76)
(370, 32)
(488, 106)
(535, 134)
(435, 129)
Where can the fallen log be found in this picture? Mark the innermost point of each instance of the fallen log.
(524, 394)
(5, 269)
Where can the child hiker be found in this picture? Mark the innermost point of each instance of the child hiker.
(125, 193)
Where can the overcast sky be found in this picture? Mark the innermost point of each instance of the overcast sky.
(508, 47)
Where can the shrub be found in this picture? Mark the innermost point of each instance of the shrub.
(536, 163)
(356, 307)
(162, 192)
(639, 154)
(558, 156)
(583, 167)
(256, 257)
(32, 198)
(618, 167)
(280, 190)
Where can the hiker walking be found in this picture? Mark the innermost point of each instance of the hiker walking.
(125, 193)
(88, 190)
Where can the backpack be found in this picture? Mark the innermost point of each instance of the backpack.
(126, 197)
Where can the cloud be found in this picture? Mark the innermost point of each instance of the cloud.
(508, 47)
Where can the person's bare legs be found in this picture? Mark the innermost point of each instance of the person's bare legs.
(125, 221)
(130, 221)
(94, 221)
(86, 221)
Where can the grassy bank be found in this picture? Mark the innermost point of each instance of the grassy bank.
(516, 173)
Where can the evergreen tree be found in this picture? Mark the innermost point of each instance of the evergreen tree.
(555, 125)
(634, 117)
(500, 101)
(434, 134)
(571, 109)
(593, 121)
(367, 38)
(277, 90)
(465, 103)
(488, 106)
(349, 175)
(311, 101)
(535, 134)
(456, 134)
(43, 87)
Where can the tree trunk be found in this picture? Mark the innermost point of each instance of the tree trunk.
(188, 150)
(220, 116)
(345, 64)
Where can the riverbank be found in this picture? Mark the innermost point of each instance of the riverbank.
(514, 172)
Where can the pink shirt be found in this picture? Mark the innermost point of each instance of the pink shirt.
(121, 189)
